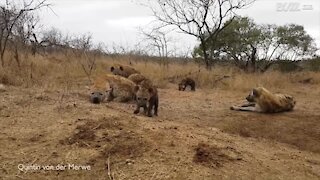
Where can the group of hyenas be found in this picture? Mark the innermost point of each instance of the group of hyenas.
(127, 84)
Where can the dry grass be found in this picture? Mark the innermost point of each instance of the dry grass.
(64, 71)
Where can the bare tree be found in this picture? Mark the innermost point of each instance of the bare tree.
(12, 15)
(86, 53)
(19, 43)
(157, 41)
(203, 19)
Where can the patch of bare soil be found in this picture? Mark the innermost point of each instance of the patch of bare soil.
(300, 130)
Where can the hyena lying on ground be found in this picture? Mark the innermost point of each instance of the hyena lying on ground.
(112, 88)
(123, 70)
(187, 82)
(146, 97)
(262, 100)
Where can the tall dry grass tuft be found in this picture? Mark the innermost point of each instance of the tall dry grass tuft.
(60, 71)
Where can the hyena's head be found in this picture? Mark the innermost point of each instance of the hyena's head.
(254, 94)
(146, 83)
(182, 86)
(122, 70)
(96, 97)
(118, 70)
(143, 95)
(98, 94)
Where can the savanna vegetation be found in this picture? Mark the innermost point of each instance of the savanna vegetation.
(46, 118)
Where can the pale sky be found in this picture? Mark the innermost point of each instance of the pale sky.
(116, 21)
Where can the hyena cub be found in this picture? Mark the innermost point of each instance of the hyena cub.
(187, 82)
(146, 97)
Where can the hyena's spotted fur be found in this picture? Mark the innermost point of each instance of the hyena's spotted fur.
(123, 70)
(184, 83)
(262, 100)
(147, 98)
(112, 88)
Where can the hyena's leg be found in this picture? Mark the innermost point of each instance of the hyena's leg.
(145, 109)
(121, 99)
(134, 97)
(110, 95)
(237, 108)
(156, 104)
(137, 110)
(249, 104)
(193, 87)
(150, 107)
(246, 108)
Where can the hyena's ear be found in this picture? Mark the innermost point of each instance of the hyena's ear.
(150, 90)
(112, 69)
(255, 92)
(136, 89)
(109, 87)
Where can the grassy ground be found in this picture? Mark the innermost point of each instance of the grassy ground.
(46, 119)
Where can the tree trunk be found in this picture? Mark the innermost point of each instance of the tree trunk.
(2, 59)
(205, 54)
(266, 67)
(253, 59)
(16, 57)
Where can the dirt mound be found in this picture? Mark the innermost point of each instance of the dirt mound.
(85, 133)
(83, 136)
(109, 136)
(127, 145)
(212, 156)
